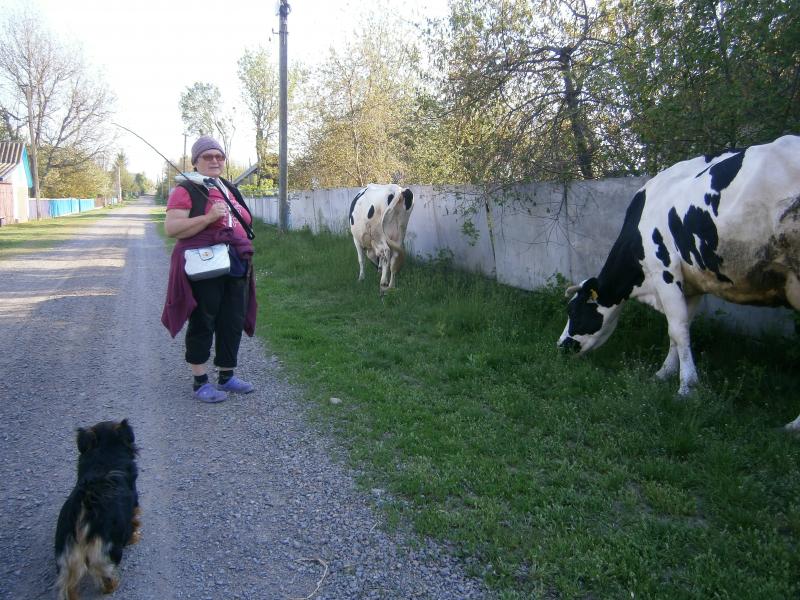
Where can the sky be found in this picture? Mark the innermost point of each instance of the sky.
(150, 51)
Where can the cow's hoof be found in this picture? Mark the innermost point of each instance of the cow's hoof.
(794, 426)
(664, 374)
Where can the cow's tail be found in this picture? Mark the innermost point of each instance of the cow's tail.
(395, 246)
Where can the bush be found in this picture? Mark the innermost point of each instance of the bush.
(267, 188)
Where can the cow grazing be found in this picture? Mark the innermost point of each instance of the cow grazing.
(727, 225)
(378, 220)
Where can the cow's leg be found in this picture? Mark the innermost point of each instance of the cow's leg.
(396, 262)
(360, 253)
(793, 295)
(672, 361)
(679, 310)
(793, 291)
(385, 271)
(680, 333)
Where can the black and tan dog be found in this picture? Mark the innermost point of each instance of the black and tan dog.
(101, 515)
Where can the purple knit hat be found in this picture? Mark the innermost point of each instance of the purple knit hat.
(203, 143)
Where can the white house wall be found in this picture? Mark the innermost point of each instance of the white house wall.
(20, 183)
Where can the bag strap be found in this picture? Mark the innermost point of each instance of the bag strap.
(199, 196)
(248, 230)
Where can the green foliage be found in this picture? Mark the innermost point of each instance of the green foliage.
(260, 92)
(700, 77)
(87, 180)
(199, 106)
(141, 184)
(525, 86)
(203, 113)
(543, 90)
(550, 476)
(267, 188)
(357, 105)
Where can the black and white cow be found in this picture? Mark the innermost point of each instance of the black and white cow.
(378, 221)
(727, 225)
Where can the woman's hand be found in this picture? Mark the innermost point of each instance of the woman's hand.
(217, 211)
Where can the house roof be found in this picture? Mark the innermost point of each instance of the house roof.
(250, 170)
(11, 154)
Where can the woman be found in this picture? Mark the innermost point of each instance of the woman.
(219, 308)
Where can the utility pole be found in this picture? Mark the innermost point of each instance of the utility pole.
(119, 185)
(184, 152)
(283, 202)
(34, 150)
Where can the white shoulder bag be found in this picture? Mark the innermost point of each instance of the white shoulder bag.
(207, 262)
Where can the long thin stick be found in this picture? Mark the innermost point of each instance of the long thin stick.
(153, 147)
(319, 583)
(210, 180)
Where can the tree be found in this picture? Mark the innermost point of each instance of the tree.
(203, 113)
(260, 93)
(90, 181)
(200, 104)
(357, 106)
(708, 74)
(11, 124)
(141, 184)
(50, 92)
(526, 84)
(119, 169)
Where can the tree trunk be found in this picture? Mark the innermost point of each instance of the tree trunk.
(584, 152)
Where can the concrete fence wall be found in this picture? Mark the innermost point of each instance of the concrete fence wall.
(521, 237)
(264, 208)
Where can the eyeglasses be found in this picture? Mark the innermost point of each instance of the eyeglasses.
(210, 157)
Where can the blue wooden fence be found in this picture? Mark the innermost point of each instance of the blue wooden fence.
(50, 208)
(67, 206)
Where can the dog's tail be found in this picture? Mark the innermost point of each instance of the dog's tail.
(80, 550)
(71, 549)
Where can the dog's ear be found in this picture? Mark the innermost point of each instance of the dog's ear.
(87, 439)
(125, 431)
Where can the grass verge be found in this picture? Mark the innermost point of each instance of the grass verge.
(47, 233)
(550, 476)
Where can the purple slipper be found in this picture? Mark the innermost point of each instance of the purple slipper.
(234, 385)
(209, 393)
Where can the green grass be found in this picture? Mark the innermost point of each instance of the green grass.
(552, 477)
(47, 233)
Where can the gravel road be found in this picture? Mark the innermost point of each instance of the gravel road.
(243, 499)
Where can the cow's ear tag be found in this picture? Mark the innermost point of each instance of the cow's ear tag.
(594, 294)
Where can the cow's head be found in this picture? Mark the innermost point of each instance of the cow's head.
(590, 323)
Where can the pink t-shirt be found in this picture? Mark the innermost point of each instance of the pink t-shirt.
(180, 198)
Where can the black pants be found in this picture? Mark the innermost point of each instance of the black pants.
(219, 316)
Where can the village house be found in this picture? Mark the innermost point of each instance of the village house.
(15, 181)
